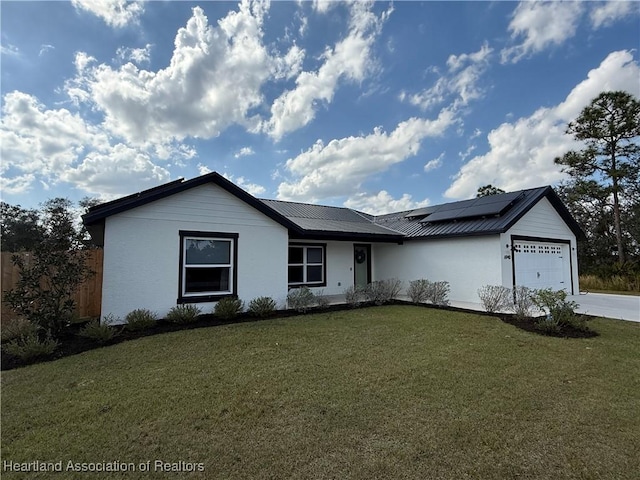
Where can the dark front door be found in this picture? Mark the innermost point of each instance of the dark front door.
(362, 264)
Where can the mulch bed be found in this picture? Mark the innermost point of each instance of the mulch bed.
(70, 343)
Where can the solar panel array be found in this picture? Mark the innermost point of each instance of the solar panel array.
(489, 206)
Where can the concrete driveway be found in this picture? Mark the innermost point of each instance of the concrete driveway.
(620, 307)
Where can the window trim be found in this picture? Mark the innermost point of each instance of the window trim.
(304, 265)
(233, 269)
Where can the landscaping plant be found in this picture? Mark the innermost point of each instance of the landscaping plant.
(228, 308)
(438, 293)
(185, 313)
(262, 307)
(495, 298)
(300, 299)
(418, 290)
(140, 319)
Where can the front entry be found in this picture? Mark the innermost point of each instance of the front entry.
(361, 265)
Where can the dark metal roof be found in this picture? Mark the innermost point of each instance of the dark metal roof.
(320, 218)
(322, 222)
(417, 224)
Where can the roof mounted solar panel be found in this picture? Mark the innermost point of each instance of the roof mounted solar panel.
(490, 206)
(421, 212)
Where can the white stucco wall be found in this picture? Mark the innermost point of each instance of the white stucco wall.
(339, 259)
(542, 221)
(466, 263)
(142, 249)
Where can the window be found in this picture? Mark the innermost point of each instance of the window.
(307, 265)
(207, 266)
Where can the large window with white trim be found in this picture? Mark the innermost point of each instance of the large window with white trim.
(307, 265)
(207, 266)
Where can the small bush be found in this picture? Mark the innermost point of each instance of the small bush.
(495, 298)
(438, 293)
(185, 313)
(262, 307)
(101, 332)
(418, 290)
(31, 347)
(300, 299)
(140, 319)
(547, 324)
(523, 306)
(20, 327)
(555, 305)
(228, 308)
(354, 295)
(322, 302)
(383, 291)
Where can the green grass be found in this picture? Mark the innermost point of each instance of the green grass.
(387, 392)
(626, 285)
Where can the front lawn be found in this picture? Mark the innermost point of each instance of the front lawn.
(384, 392)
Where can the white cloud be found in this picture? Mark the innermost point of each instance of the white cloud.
(243, 152)
(253, 188)
(49, 145)
(10, 50)
(605, 14)
(460, 81)
(17, 184)
(203, 170)
(464, 155)
(521, 153)
(214, 78)
(44, 48)
(383, 202)
(341, 166)
(539, 25)
(350, 59)
(136, 55)
(115, 13)
(434, 164)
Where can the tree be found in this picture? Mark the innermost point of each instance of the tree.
(19, 228)
(53, 270)
(609, 127)
(487, 190)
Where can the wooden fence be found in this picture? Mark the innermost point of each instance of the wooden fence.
(88, 297)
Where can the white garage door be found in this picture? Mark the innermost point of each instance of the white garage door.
(542, 265)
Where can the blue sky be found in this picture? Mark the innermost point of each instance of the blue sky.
(377, 106)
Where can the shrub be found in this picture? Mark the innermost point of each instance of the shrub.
(183, 314)
(495, 298)
(438, 293)
(321, 300)
(383, 291)
(418, 290)
(354, 295)
(547, 324)
(555, 305)
(20, 327)
(228, 308)
(99, 331)
(300, 299)
(31, 347)
(140, 319)
(262, 307)
(523, 306)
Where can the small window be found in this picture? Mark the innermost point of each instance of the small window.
(307, 265)
(207, 266)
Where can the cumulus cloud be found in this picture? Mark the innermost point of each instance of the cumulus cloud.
(538, 25)
(460, 83)
(341, 166)
(253, 188)
(350, 59)
(136, 55)
(521, 153)
(434, 164)
(214, 78)
(243, 152)
(605, 14)
(115, 13)
(382, 202)
(52, 145)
